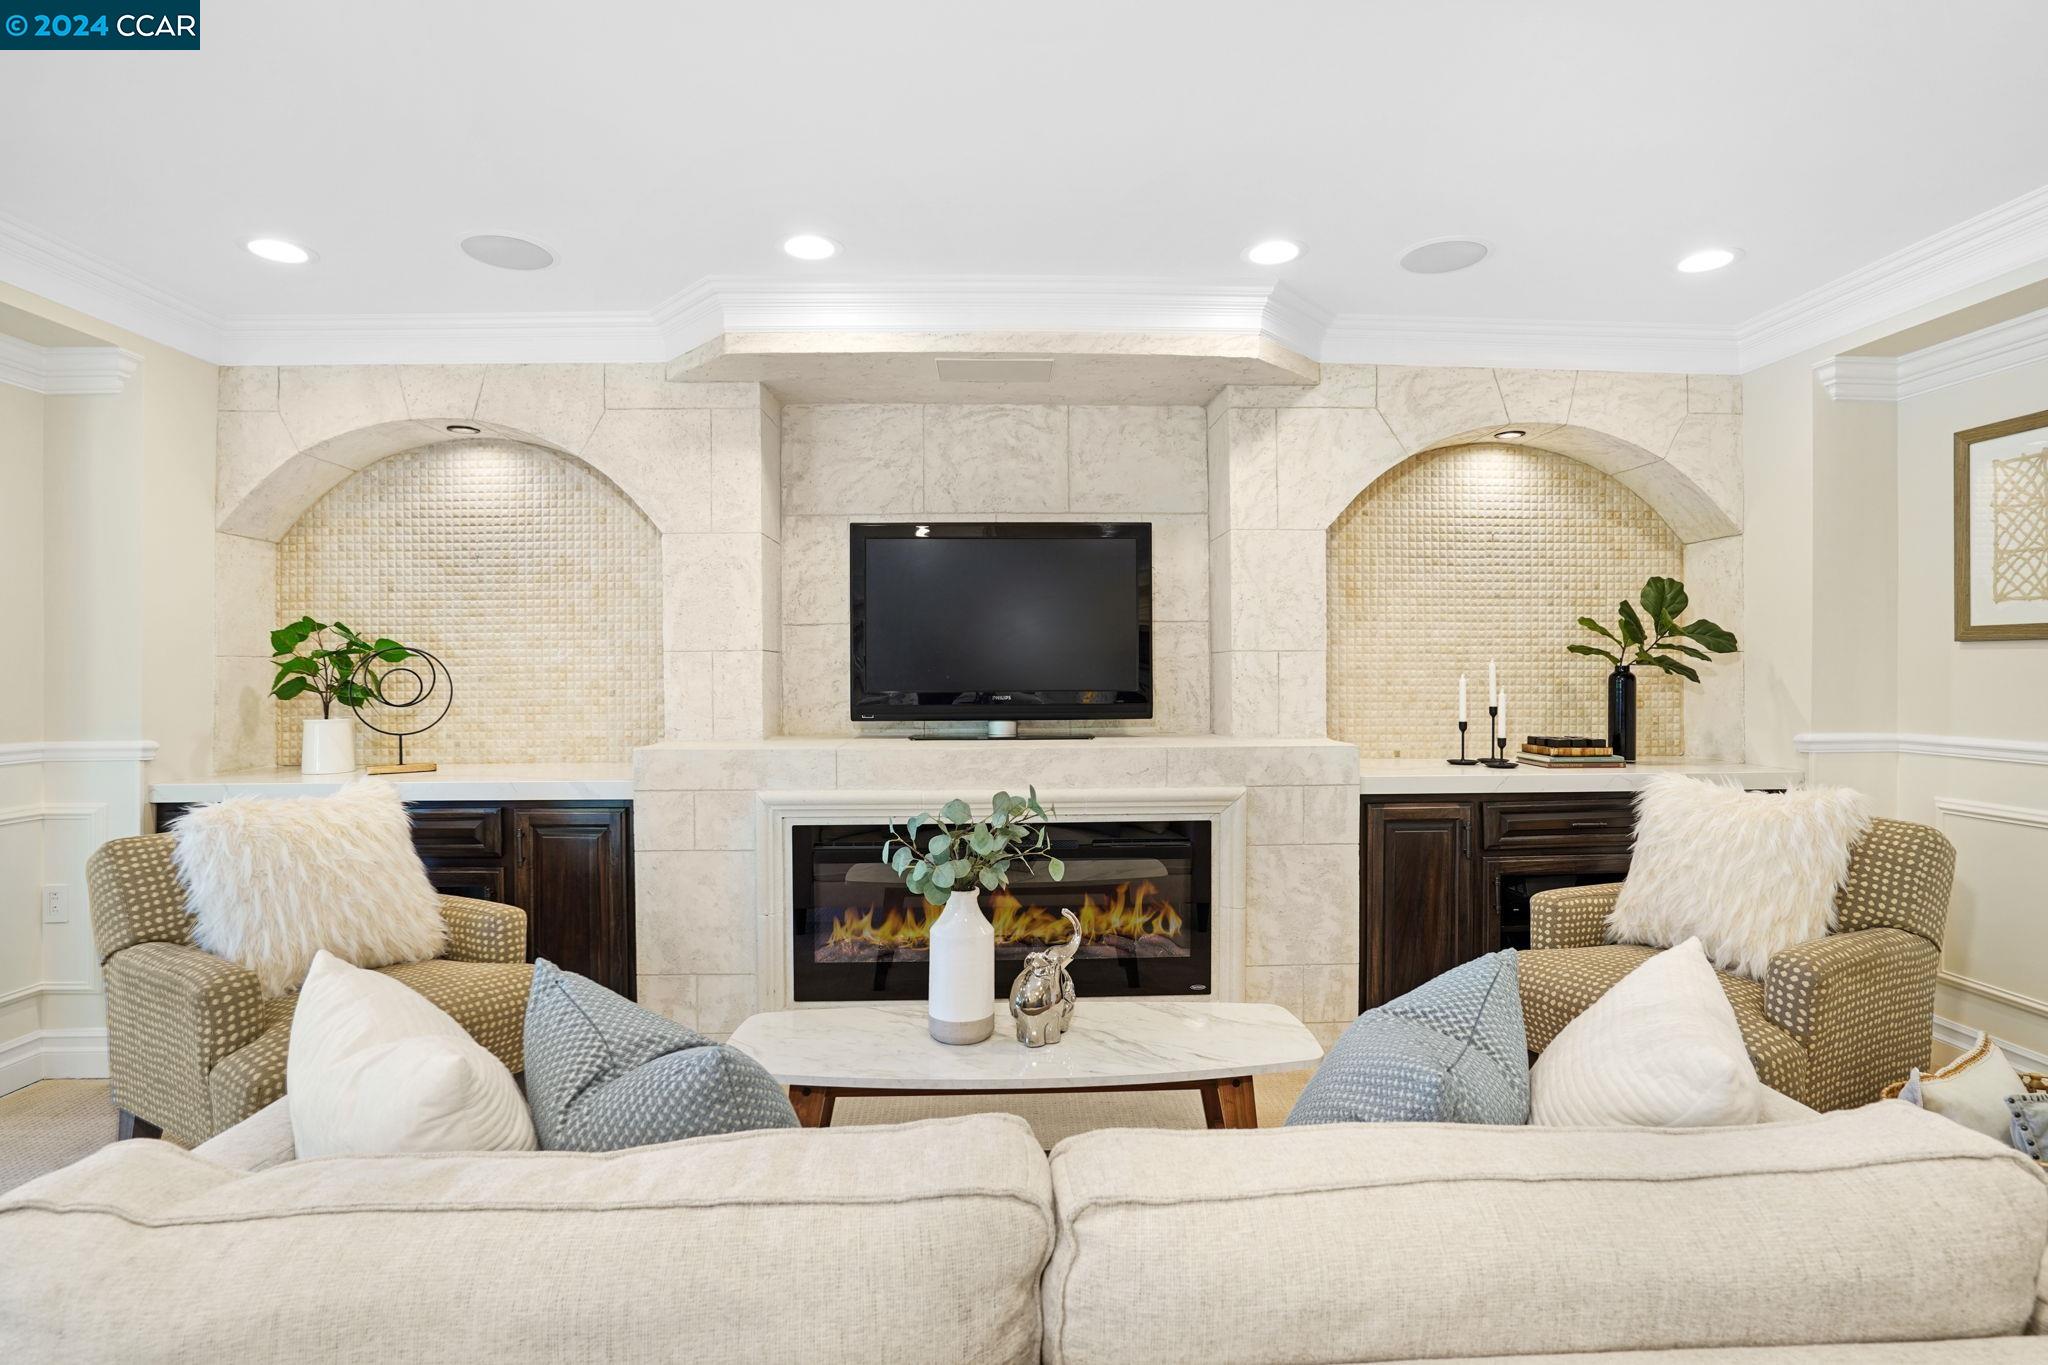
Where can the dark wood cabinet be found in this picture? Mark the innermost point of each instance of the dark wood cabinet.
(567, 864)
(1417, 883)
(572, 873)
(1446, 879)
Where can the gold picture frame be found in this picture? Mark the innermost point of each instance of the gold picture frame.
(2001, 494)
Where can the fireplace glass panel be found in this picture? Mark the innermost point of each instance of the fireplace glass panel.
(1140, 889)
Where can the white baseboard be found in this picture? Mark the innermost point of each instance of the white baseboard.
(1957, 1036)
(53, 1054)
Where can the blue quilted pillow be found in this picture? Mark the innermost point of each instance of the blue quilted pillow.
(602, 1073)
(1452, 1050)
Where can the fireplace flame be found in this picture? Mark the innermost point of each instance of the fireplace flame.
(1131, 911)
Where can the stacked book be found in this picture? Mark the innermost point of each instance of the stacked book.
(1569, 751)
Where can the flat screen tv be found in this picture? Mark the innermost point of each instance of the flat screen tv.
(1001, 621)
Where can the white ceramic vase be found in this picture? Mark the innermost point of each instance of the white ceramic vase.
(962, 1004)
(328, 746)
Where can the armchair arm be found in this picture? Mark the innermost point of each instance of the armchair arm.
(1861, 1003)
(1571, 916)
(173, 1012)
(483, 931)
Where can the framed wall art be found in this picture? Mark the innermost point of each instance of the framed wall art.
(2002, 530)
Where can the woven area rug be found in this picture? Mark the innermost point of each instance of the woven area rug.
(51, 1124)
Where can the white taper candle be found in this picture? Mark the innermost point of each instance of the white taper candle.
(1461, 698)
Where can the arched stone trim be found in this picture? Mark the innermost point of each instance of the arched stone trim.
(702, 461)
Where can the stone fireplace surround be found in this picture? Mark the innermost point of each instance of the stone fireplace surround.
(705, 461)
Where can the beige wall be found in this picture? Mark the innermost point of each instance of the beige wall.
(1996, 959)
(21, 563)
(1851, 525)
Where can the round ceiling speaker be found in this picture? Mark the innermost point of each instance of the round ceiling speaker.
(507, 252)
(1444, 255)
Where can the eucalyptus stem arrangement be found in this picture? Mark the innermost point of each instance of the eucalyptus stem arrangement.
(937, 855)
(1656, 639)
(330, 661)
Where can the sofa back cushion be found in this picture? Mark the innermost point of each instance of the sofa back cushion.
(916, 1243)
(1378, 1242)
(273, 881)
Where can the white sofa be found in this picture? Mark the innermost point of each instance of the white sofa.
(959, 1240)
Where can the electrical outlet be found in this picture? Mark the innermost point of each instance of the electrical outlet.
(56, 905)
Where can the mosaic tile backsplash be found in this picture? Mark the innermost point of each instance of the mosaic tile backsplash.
(535, 580)
(1488, 552)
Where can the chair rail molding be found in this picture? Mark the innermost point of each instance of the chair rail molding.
(79, 751)
(1939, 746)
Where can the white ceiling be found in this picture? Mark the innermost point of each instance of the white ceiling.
(653, 143)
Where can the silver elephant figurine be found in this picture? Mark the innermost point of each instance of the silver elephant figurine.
(1042, 997)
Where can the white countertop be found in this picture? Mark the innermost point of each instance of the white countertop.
(451, 782)
(1112, 1042)
(1435, 777)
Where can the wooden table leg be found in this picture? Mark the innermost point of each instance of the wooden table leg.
(813, 1105)
(1230, 1103)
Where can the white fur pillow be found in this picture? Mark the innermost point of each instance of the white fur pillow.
(1660, 1050)
(272, 882)
(1747, 873)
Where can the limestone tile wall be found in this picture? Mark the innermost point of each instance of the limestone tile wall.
(851, 462)
(696, 868)
(531, 577)
(701, 460)
(1285, 462)
(1488, 552)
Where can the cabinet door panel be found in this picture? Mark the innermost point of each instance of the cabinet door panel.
(483, 883)
(1420, 911)
(570, 874)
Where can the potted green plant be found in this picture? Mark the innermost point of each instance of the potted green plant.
(950, 859)
(334, 664)
(1654, 636)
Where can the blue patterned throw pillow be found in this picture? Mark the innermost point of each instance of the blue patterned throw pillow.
(1452, 1050)
(602, 1073)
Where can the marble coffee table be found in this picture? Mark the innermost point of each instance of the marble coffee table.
(1125, 1044)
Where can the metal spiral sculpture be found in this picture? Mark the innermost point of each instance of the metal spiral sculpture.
(437, 683)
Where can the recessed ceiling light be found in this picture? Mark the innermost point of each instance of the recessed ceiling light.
(809, 246)
(1713, 258)
(278, 250)
(1511, 434)
(507, 252)
(465, 429)
(1279, 251)
(1445, 254)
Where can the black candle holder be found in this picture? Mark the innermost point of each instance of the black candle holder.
(1461, 761)
(1493, 739)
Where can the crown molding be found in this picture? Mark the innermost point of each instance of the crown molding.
(2002, 239)
(1987, 351)
(1981, 249)
(1359, 338)
(65, 371)
(1859, 378)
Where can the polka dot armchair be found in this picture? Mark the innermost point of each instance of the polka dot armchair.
(194, 1046)
(1835, 1019)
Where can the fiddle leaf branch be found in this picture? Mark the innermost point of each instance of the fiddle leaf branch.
(1657, 633)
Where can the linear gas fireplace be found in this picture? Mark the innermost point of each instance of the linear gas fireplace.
(1141, 889)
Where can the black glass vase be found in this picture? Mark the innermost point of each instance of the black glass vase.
(1621, 712)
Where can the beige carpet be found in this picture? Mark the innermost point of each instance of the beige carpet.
(52, 1124)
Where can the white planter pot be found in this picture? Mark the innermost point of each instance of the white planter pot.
(328, 746)
(962, 1007)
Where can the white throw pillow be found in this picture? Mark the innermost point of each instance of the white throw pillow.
(1972, 1089)
(1660, 1050)
(375, 1066)
(271, 882)
(1749, 874)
